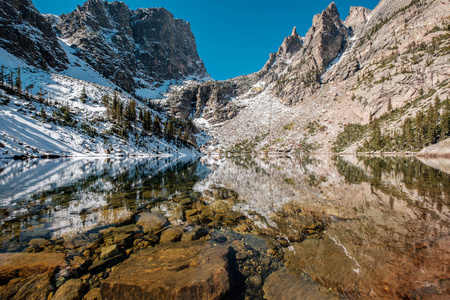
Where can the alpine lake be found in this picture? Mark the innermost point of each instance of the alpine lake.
(241, 227)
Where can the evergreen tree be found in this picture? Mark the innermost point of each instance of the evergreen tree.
(130, 111)
(147, 121)
(444, 126)
(432, 123)
(186, 136)
(43, 114)
(106, 103)
(156, 125)
(141, 116)
(18, 84)
(2, 76)
(83, 95)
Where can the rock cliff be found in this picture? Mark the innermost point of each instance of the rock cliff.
(387, 63)
(134, 49)
(25, 33)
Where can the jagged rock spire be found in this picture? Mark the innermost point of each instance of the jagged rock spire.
(291, 44)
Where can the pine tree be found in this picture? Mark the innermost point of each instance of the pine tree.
(156, 125)
(11, 79)
(130, 111)
(2, 76)
(444, 126)
(389, 108)
(43, 114)
(408, 133)
(377, 137)
(18, 83)
(106, 103)
(186, 136)
(83, 95)
(147, 121)
(141, 116)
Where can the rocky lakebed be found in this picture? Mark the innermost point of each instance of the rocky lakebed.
(231, 228)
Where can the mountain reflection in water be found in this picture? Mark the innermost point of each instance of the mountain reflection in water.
(363, 226)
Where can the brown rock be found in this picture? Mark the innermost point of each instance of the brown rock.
(14, 265)
(151, 222)
(171, 234)
(109, 251)
(93, 294)
(283, 286)
(174, 271)
(123, 239)
(39, 242)
(73, 289)
(220, 207)
(32, 287)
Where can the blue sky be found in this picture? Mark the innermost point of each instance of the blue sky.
(234, 37)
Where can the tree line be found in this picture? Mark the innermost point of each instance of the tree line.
(427, 127)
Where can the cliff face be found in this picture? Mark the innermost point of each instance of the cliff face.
(25, 33)
(341, 72)
(134, 49)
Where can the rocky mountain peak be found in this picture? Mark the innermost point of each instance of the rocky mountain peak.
(290, 45)
(357, 19)
(326, 37)
(24, 32)
(332, 9)
(122, 44)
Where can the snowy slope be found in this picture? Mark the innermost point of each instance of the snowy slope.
(22, 132)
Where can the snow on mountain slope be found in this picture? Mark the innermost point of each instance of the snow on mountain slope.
(22, 132)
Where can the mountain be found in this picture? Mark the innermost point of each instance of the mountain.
(377, 81)
(25, 33)
(133, 49)
(68, 84)
(359, 84)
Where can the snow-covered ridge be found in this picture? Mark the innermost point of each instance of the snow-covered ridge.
(24, 133)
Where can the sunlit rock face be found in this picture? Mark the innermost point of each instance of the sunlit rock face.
(366, 227)
(132, 48)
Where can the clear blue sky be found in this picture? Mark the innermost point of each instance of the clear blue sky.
(234, 37)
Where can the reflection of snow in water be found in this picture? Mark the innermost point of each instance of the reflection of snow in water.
(82, 209)
(264, 184)
(336, 241)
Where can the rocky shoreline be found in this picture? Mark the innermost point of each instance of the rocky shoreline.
(202, 250)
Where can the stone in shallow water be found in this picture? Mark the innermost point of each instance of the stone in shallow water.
(171, 234)
(151, 222)
(173, 271)
(283, 286)
(28, 275)
(93, 294)
(109, 251)
(73, 289)
(32, 287)
(25, 264)
(39, 242)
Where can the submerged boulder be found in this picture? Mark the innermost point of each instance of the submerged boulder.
(173, 271)
(151, 222)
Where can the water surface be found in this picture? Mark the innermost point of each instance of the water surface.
(362, 226)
